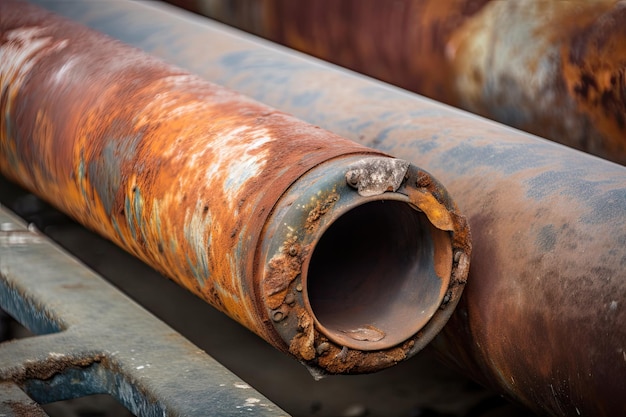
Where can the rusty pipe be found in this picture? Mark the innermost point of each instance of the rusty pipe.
(553, 68)
(298, 234)
(541, 317)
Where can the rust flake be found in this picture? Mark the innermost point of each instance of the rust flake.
(282, 269)
(303, 343)
(49, 367)
(341, 360)
(321, 207)
(312, 347)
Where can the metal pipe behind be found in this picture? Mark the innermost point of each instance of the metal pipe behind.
(552, 68)
(228, 197)
(541, 319)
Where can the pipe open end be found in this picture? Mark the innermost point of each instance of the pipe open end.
(377, 275)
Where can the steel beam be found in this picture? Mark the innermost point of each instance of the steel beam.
(541, 319)
(345, 258)
(553, 68)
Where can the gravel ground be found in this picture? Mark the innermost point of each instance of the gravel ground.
(419, 387)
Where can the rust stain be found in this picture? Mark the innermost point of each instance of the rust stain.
(428, 186)
(357, 35)
(49, 367)
(514, 63)
(286, 265)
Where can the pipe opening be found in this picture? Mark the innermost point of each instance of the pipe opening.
(377, 275)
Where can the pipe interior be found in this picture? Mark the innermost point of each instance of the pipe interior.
(371, 282)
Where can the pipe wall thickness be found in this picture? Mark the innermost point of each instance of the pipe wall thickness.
(230, 198)
(541, 319)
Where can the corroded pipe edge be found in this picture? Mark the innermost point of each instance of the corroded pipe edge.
(297, 223)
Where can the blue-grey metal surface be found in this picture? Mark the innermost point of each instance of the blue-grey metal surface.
(95, 340)
(541, 319)
(15, 403)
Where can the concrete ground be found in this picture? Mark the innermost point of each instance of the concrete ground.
(419, 387)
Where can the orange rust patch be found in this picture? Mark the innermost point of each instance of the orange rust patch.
(436, 212)
(461, 238)
(282, 269)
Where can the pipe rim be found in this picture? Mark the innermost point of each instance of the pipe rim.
(393, 315)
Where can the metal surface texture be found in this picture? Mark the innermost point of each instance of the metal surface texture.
(230, 198)
(553, 68)
(94, 340)
(15, 403)
(541, 319)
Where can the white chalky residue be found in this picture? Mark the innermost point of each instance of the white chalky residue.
(238, 157)
(60, 75)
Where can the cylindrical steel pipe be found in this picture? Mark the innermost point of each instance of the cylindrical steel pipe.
(541, 319)
(348, 259)
(553, 68)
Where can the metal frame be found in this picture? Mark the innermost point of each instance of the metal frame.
(95, 340)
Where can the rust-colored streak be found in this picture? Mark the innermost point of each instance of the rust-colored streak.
(555, 69)
(179, 172)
